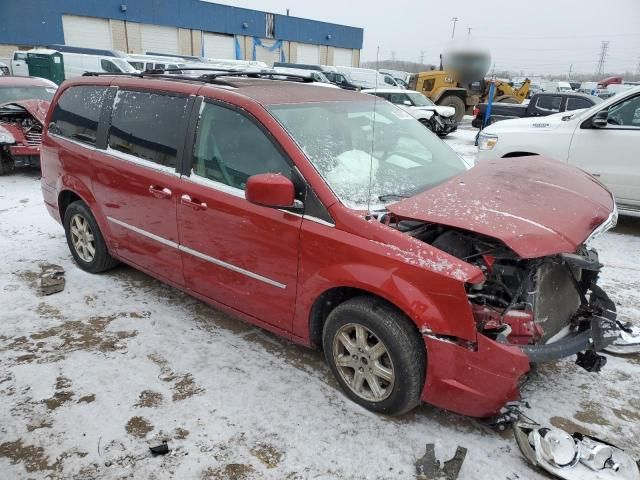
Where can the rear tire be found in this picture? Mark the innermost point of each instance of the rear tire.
(85, 240)
(376, 354)
(455, 102)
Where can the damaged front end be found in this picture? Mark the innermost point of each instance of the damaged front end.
(526, 311)
(23, 120)
(549, 307)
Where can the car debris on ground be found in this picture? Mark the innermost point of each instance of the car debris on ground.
(428, 468)
(52, 279)
(572, 456)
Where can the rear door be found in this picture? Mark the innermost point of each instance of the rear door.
(611, 153)
(234, 252)
(136, 182)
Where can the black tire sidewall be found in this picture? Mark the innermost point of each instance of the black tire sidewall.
(406, 352)
(102, 260)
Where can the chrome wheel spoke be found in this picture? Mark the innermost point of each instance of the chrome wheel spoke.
(91, 249)
(376, 390)
(382, 372)
(363, 362)
(82, 238)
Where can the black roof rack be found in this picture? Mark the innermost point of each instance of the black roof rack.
(208, 77)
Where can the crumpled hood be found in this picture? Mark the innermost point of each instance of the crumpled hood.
(536, 206)
(36, 108)
(443, 111)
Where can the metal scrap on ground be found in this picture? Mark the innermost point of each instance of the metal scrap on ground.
(51, 279)
(428, 468)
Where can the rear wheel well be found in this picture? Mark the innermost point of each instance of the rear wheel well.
(328, 301)
(519, 154)
(66, 198)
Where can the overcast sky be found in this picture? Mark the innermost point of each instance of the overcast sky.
(537, 36)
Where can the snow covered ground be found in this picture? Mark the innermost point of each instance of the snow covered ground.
(94, 375)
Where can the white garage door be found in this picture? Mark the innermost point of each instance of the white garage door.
(159, 39)
(219, 46)
(342, 57)
(86, 32)
(264, 55)
(309, 54)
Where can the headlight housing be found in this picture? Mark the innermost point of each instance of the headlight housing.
(486, 141)
(6, 137)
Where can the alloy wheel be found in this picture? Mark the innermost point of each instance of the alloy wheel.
(82, 238)
(363, 362)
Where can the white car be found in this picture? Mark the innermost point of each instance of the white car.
(603, 140)
(440, 119)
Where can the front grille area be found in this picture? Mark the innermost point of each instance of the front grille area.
(33, 138)
(556, 298)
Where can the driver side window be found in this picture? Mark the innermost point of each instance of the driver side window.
(229, 148)
(626, 113)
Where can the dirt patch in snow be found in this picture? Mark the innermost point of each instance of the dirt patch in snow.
(269, 455)
(31, 457)
(592, 413)
(231, 471)
(138, 427)
(87, 398)
(149, 398)
(184, 385)
(52, 344)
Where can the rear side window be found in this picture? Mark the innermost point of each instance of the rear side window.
(146, 124)
(549, 103)
(77, 113)
(576, 103)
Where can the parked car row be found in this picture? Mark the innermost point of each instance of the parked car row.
(361, 234)
(603, 140)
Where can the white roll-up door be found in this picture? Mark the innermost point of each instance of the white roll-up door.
(219, 46)
(309, 54)
(343, 57)
(158, 39)
(86, 32)
(264, 55)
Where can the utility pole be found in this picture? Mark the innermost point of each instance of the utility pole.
(570, 69)
(603, 57)
(469, 31)
(453, 32)
(422, 57)
(393, 56)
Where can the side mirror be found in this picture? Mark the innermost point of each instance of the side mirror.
(601, 119)
(407, 103)
(270, 190)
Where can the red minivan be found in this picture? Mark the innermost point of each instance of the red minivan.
(338, 221)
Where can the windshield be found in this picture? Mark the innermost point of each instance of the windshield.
(12, 94)
(337, 139)
(419, 100)
(123, 64)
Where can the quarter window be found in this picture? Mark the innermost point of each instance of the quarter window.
(146, 124)
(626, 113)
(229, 148)
(109, 66)
(549, 103)
(77, 112)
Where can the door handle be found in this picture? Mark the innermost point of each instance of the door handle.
(595, 175)
(189, 202)
(159, 192)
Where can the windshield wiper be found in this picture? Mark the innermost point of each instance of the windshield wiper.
(392, 196)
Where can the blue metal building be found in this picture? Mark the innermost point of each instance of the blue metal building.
(186, 27)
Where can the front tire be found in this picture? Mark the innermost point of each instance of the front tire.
(85, 240)
(376, 354)
(455, 102)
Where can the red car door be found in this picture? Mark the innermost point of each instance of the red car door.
(239, 254)
(136, 183)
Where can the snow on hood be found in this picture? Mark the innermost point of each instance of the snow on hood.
(36, 108)
(536, 208)
(441, 110)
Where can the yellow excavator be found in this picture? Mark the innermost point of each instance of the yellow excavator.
(460, 83)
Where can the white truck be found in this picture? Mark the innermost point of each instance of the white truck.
(603, 140)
